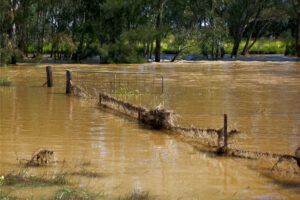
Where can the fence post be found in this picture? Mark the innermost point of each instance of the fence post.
(49, 76)
(100, 99)
(162, 84)
(115, 83)
(225, 131)
(68, 82)
(139, 115)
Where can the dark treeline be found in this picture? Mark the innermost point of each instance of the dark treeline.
(133, 30)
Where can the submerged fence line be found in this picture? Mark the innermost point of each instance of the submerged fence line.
(69, 77)
(159, 118)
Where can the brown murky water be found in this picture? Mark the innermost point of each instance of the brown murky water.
(260, 98)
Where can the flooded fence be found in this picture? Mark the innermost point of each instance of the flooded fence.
(49, 81)
(214, 140)
(116, 79)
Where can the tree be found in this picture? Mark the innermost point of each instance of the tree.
(293, 9)
(239, 14)
(159, 20)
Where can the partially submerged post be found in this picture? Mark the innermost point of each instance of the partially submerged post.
(225, 132)
(223, 150)
(68, 81)
(49, 76)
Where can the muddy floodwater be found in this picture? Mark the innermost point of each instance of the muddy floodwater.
(262, 100)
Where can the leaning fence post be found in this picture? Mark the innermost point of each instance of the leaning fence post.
(68, 82)
(225, 131)
(49, 76)
(162, 83)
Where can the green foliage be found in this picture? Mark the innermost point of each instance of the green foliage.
(290, 49)
(6, 197)
(6, 50)
(68, 194)
(64, 45)
(126, 31)
(262, 46)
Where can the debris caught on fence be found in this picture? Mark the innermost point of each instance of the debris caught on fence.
(80, 92)
(161, 118)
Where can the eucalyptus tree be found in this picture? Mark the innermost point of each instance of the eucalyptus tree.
(239, 14)
(293, 9)
(5, 21)
(8, 28)
(268, 14)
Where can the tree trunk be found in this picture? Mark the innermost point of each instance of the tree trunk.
(217, 53)
(158, 37)
(176, 55)
(222, 52)
(144, 50)
(12, 31)
(298, 36)
(148, 51)
(151, 50)
(235, 48)
(158, 26)
(245, 50)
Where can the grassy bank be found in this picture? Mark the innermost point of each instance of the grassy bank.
(56, 186)
(262, 46)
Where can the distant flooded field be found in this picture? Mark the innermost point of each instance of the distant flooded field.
(261, 99)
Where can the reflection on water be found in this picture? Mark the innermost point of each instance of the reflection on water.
(260, 98)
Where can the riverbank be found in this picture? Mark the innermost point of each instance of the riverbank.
(166, 58)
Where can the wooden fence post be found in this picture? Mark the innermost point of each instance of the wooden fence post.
(69, 81)
(139, 115)
(49, 76)
(225, 131)
(100, 99)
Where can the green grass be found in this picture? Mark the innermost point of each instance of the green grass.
(6, 197)
(26, 180)
(128, 92)
(78, 194)
(64, 190)
(262, 46)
